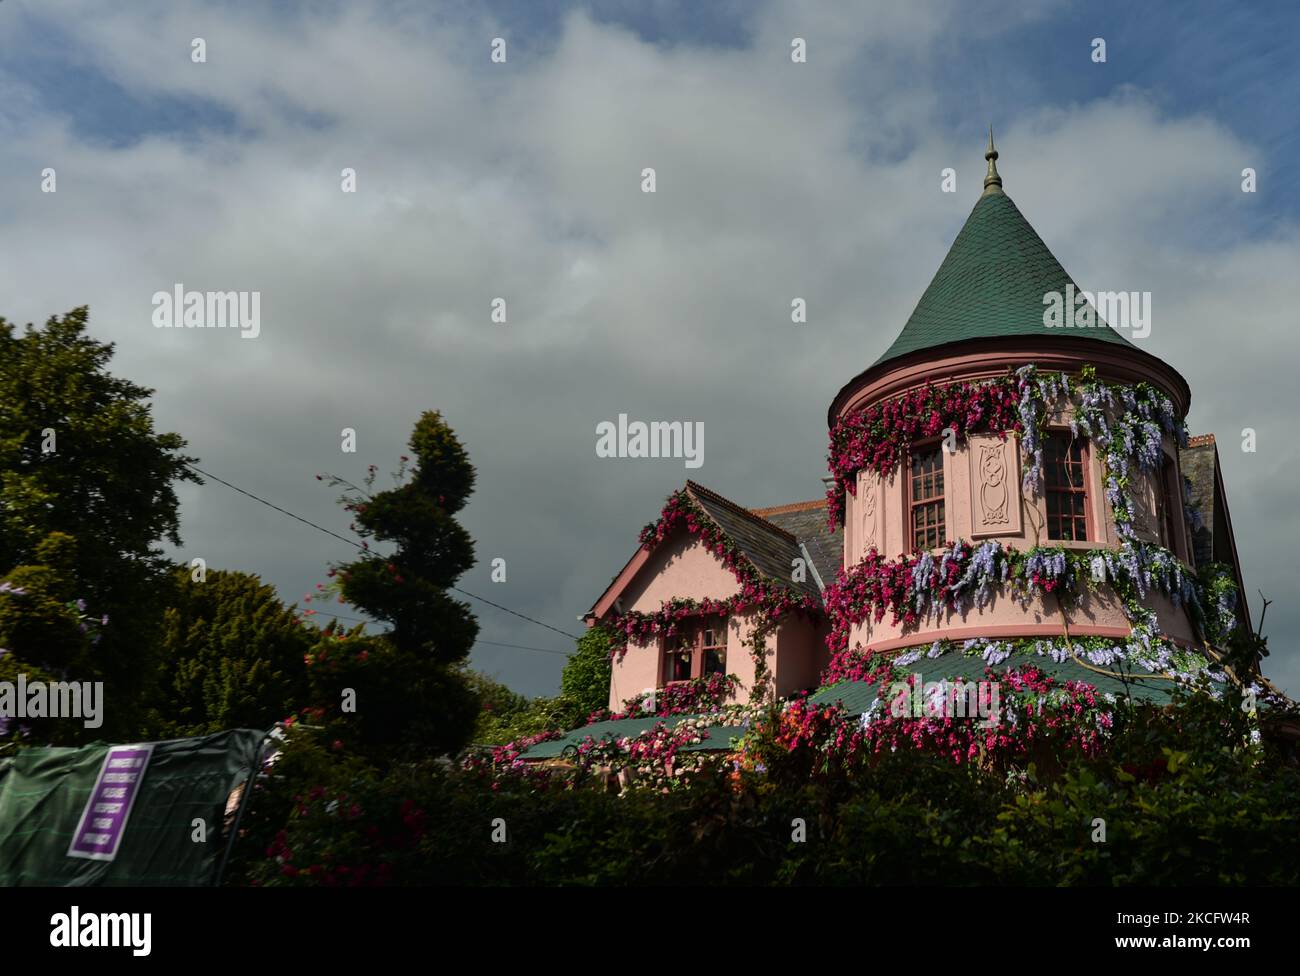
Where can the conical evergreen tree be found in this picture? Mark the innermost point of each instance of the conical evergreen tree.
(410, 692)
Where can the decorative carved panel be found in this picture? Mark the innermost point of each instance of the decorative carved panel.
(870, 534)
(994, 486)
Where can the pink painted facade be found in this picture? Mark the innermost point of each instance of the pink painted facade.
(981, 322)
(682, 568)
(983, 501)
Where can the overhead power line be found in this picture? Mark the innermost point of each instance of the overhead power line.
(525, 647)
(354, 543)
(522, 647)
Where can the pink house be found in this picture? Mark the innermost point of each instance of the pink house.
(988, 464)
(788, 546)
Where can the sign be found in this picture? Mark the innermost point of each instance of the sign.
(103, 821)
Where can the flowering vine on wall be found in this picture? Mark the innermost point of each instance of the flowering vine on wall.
(767, 600)
(924, 586)
(696, 695)
(1125, 422)
(878, 438)
(1035, 710)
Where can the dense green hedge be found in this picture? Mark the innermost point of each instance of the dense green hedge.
(1181, 802)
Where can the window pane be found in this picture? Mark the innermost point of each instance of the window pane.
(927, 499)
(1065, 484)
(715, 661)
(716, 636)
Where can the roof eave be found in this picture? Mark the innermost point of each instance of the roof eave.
(1024, 349)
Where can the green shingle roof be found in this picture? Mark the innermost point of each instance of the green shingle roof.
(857, 696)
(991, 284)
(720, 736)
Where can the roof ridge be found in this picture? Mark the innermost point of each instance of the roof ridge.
(789, 507)
(693, 486)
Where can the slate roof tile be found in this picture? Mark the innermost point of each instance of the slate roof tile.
(769, 547)
(991, 283)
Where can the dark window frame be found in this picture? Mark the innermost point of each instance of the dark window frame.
(1055, 489)
(689, 644)
(919, 452)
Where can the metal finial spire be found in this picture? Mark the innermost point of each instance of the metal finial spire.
(992, 182)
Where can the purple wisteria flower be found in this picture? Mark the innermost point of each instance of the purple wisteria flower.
(922, 577)
(1102, 656)
(1097, 568)
(995, 652)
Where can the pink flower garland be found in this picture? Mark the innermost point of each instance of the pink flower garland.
(678, 698)
(1067, 713)
(772, 599)
(879, 437)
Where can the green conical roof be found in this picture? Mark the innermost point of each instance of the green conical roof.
(991, 284)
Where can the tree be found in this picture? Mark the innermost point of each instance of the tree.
(80, 461)
(410, 691)
(499, 707)
(586, 676)
(584, 688)
(232, 655)
(45, 635)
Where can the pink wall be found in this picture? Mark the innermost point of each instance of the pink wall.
(796, 656)
(878, 514)
(983, 501)
(681, 567)
(801, 654)
(634, 675)
(1096, 614)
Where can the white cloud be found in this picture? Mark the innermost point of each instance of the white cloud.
(522, 180)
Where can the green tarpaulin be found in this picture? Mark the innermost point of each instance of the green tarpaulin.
(44, 791)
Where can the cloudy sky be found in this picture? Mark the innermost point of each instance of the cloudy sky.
(522, 180)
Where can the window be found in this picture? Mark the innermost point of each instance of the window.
(925, 503)
(680, 653)
(699, 648)
(714, 647)
(1169, 480)
(1065, 463)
